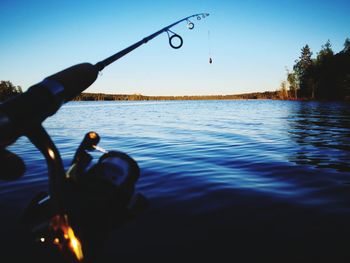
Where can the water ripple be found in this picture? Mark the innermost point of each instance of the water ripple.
(244, 160)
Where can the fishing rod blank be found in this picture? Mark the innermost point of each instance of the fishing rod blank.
(102, 64)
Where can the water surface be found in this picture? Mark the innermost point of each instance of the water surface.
(230, 181)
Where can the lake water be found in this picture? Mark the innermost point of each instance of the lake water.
(227, 181)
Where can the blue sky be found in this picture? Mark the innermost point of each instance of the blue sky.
(252, 42)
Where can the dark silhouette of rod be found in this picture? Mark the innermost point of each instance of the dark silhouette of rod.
(102, 64)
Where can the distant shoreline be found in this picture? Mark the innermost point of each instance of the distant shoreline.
(267, 95)
(139, 97)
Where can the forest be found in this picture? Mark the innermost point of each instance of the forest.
(325, 77)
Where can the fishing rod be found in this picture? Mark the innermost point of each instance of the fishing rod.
(102, 64)
(83, 194)
(43, 99)
(23, 114)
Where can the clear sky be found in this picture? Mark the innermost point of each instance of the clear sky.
(251, 42)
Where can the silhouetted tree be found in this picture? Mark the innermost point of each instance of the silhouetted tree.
(293, 84)
(325, 53)
(7, 89)
(323, 72)
(304, 61)
(342, 71)
(346, 46)
(326, 77)
(303, 70)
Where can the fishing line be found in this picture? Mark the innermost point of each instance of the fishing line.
(209, 49)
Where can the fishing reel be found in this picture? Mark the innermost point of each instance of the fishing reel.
(97, 197)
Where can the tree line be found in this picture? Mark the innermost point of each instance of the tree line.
(139, 97)
(325, 77)
(7, 90)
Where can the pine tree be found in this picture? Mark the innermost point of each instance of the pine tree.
(304, 61)
(346, 46)
(325, 53)
(303, 70)
(7, 89)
